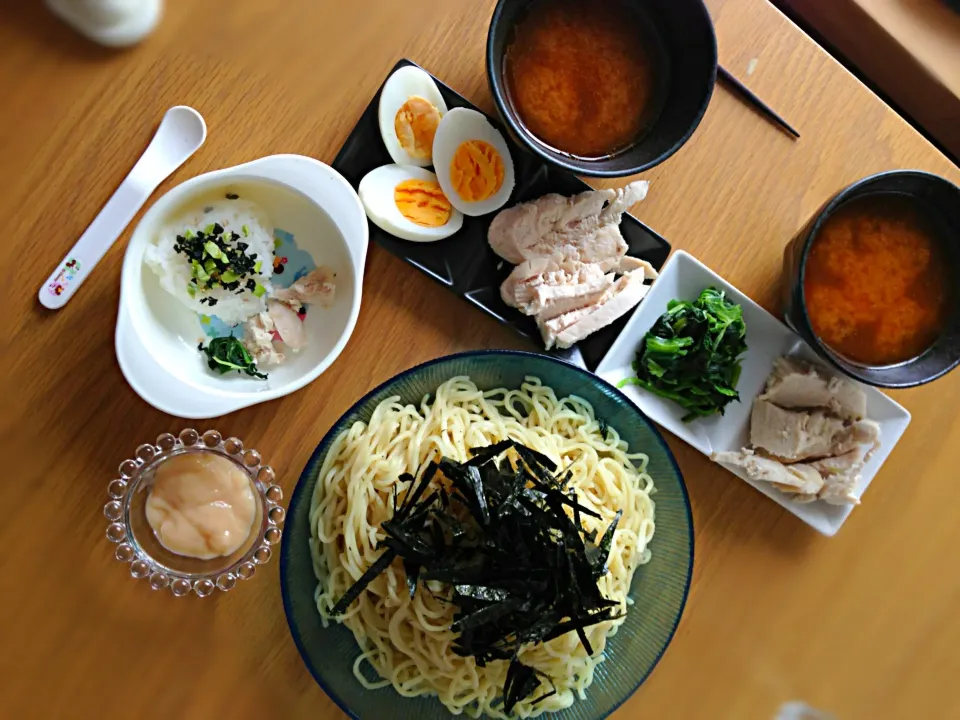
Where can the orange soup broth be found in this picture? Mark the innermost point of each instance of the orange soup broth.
(877, 283)
(585, 78)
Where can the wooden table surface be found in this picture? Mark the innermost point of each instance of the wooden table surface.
(864, 625)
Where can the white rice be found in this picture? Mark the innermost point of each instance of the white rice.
(174, 270)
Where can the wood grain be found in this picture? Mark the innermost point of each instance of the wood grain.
(863, 625)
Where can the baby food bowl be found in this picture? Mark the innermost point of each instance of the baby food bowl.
(310, 205)
(139, 547)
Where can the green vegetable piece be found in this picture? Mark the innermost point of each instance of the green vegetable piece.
(211, 249)
(692, 354)
(189, 235)
(257, 265)
(259, 290)
(229, 276)
(199, 271)
(245, 230)
(191, 290)
(208, 230)
(226, 354)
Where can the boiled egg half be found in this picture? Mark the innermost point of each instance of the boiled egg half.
(411, 107)
(407, 202)
(473, 162)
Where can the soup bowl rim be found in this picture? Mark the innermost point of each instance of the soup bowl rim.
(586, 167)
(848, 193)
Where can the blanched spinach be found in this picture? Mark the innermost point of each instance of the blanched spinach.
(692, 354)
(227, 353)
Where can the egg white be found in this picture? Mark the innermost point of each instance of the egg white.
(457, 127)
(376, 194)
(400, 87)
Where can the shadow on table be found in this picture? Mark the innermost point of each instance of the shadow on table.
(728, 512)
(85, 405)
(33, 19)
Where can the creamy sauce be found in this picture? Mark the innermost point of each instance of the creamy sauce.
(582, 76)
(876, 284)
(201, 505)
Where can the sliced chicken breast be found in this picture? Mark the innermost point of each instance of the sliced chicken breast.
(551, 301)
(572, 327)
(515, 230)
(795, 384)
(518, 289)
(840, 490)
(841, 475)
(287, 324)
(568, 252)
(535, 284)
(632, 264)
(800, 479)
(555, 223)
(606, 247)
(318, 286)
(258, 340)
(793, 436)
(626, 198)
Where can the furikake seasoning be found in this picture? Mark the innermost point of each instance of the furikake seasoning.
(219, 259)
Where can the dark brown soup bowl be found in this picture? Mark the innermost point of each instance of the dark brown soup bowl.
(941, 199)
(688, 70)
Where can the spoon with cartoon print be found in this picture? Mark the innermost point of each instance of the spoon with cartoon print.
(181, 132)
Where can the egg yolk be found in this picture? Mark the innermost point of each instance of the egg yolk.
(422, 202)
(416, 124)
(476, 171)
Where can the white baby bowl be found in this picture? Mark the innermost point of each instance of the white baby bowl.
(157, 336)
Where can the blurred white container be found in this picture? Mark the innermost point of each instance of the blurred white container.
(114, 23)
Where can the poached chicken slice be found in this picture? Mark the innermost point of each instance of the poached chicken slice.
(318, 286)
(553, 285)
(795, 384)
(798, 479)
(258, 339)
(568, 252)
(794, 436)
(616, 301)
(554, 223)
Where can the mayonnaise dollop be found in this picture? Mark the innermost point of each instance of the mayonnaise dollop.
(201, 505)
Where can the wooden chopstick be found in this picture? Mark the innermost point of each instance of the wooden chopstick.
(739, 88)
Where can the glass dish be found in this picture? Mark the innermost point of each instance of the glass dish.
(137, 545)
(659, 588)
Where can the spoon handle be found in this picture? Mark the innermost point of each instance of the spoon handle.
(95, 241)
(169, 148)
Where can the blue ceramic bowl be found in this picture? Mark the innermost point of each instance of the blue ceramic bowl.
(659, 588)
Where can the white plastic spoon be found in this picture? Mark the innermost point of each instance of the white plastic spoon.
(181, 132)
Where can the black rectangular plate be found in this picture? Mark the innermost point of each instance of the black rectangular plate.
(464, 262)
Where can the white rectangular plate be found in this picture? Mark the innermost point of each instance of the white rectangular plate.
(684, 277)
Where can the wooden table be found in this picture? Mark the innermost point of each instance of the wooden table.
(864, 625)
(910, 49)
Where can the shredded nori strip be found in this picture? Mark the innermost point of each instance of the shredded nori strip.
(604, 430)
(498, 530)
(382, 563)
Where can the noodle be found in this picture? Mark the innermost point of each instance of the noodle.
(408, 642)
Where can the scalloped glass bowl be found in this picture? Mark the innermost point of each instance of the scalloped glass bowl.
(659, 588)
(138, 547)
